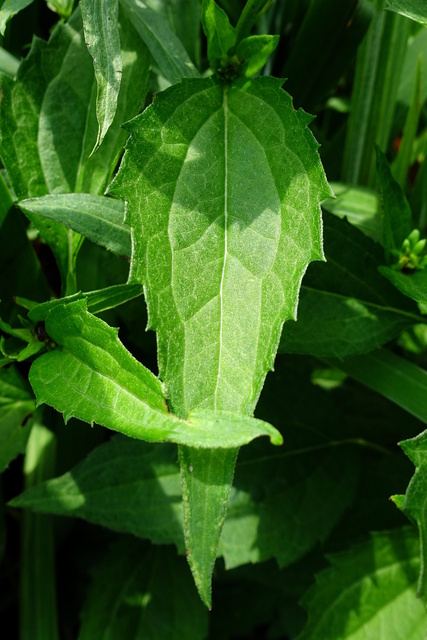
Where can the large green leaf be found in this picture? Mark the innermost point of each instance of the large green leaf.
(183, 17)
(369, 593)
(413, 503)
(229, 205)
(345, 306)
(101, 28)
(142, 593)
(414, 9)
(94, 378)
(413, 285)
(16, 404)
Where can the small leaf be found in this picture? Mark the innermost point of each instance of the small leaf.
(368, 592)
(255, 51)
(100, 23)
(164, 46)
(220, 34)
(98, 218)
(413, 504)
(359, 205)
(414, 9)
(10, 8)
(142, 593)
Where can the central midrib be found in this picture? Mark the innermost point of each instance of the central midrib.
(221, 288)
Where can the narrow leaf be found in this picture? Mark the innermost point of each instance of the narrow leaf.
(6, 200)
(413, 285)
(164, 46)
(368, 592)
(404, 158)
(142, 593)
(374, 94)
(10, 8)
(8, 63)
(220, 34)
(394, 377)
(94, 378)
(397, 215)
(414, 9)
(101, 29)
(97, 301)
(98, 218)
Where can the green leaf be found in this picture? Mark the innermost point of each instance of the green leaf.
(183, 17)
(345, 308)
(255, 51)
(368, 593)
(165, 48)
(16, 404)
(314, 71)
(97, 301)
(56, 84)
(101, 29)
(142, 593)
(10, 8)
(397, 215)
(413, 285)
(126, 485)
(374, 94)
(225, 205)
(215, 221)
(98, 218)
(360, 205)
(8, 63)
(94, 378)
(220, 34)
(404, 158)
(38, 611)
(413, 503)
(394, 377)
(63, 7)
(414, 9)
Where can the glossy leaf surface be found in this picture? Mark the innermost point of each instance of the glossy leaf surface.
(414, 9)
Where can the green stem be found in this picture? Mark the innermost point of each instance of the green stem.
(38, 611)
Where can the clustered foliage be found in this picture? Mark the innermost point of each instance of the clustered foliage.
(157, 174)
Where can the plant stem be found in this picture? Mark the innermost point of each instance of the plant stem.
(38, 593)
